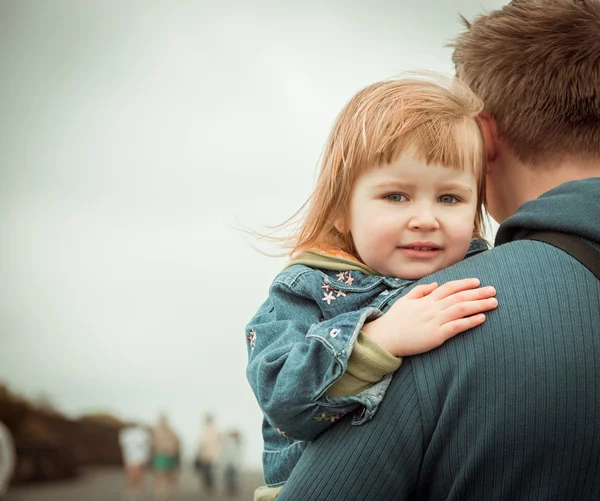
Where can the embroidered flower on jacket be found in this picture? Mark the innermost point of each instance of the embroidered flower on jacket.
(251, 337)
(329, 417)
(330, 290)
(328, 296)
(346, 277)
(282, 433)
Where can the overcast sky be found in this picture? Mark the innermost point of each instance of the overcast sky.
(133, 137)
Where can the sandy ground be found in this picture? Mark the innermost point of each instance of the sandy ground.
(107, 485)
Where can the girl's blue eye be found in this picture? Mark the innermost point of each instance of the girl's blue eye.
(448, 199)
(396, 197)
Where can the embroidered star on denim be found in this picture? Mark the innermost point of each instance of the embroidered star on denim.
(252, 339)
(328, 296)
(341, 276)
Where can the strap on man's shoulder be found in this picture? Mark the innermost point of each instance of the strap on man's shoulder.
(575, 246)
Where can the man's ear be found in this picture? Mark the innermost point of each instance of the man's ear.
(490, 136)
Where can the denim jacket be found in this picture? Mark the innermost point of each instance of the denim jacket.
(299, 343)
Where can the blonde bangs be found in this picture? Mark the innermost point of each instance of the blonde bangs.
(435, 119)
(458, 146)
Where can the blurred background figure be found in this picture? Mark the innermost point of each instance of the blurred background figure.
(166, 455)
(208, 452)
(231, 457)
(135, 446)
(7, 458)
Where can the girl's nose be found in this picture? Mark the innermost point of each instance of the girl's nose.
(424, 219)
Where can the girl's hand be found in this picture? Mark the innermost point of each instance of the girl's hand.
(429, 315)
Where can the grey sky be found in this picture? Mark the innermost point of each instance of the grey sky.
(132, 136)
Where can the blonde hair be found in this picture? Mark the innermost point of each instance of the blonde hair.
(432, 117)
(536, 66)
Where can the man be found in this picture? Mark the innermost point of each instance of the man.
(511, 409)
(208, 451)
(166, 452)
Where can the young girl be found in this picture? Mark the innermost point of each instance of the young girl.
(399, 196)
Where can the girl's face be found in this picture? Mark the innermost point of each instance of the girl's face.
(408, 219)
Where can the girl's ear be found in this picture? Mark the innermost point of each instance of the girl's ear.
(340, 226)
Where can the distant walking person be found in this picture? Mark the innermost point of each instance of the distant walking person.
(166, 450)
(7, 458)
(208, 451)
(231, 459)
(135, 446)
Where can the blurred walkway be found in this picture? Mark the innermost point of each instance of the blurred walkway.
(107, 485)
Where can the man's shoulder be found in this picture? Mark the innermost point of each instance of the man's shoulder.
(531, 279)
(503, 263)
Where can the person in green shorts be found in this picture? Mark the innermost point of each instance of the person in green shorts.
(165, 459)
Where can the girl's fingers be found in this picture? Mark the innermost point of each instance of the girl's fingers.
(421, 291)
(468, 308)
(455, 327)
(467, 295)
(449, 288)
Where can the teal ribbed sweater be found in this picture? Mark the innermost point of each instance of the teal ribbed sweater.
(507, 411)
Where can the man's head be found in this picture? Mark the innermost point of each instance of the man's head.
(536, 66)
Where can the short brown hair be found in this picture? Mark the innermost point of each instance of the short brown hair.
(431, 117)
(536, 66)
